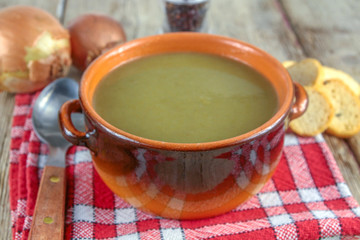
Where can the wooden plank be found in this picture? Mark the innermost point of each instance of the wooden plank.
(139, 18)
(354, 144)
(6, 109)
(7, 104)
(329, 30)
(260, 23)
(50, 6)
(346, 162)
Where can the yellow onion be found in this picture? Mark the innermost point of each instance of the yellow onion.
(34, 49)
(91, 35)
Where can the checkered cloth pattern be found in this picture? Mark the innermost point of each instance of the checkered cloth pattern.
(306, 198)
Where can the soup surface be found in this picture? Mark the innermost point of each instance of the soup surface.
(185, 98)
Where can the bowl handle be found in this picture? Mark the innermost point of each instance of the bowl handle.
(301, 102)
(67, 127)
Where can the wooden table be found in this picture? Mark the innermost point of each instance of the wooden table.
(328, 30)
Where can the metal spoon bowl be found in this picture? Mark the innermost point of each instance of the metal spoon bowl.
(46, 107)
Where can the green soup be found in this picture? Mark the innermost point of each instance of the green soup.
(185, 98)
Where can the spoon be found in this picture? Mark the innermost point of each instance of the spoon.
(48, 219)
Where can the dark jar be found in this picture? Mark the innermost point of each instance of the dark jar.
(185, 15)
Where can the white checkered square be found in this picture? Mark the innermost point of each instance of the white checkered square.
(270, 199)
(322, 214)
(334, 238)
(291, 140)
(357, 211)
(310, 195)
(279, 220)
(302, 216)
(172, 234)
(125, 215)
(82, 156)
(83, 213)
(319, 138)
(344, 190)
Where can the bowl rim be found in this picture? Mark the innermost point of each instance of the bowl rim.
(277, 119)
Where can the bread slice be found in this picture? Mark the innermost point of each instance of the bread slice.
(288, 63)
(331, 73)
(346, 120)
(307, 72)
(317, 116)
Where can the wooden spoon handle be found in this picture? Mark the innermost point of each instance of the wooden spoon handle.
(49, 215)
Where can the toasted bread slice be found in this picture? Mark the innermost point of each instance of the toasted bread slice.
(288, 63)
(331, 73)
(346, 120)
(317, 116)
(307, 72)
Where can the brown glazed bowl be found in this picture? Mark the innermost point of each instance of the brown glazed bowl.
(192, 180)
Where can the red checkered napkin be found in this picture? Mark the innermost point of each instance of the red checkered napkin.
(306, 198)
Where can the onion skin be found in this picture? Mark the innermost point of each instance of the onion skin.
(92, 35)
(20, 29)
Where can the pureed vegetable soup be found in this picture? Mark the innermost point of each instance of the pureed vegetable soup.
(185, 98)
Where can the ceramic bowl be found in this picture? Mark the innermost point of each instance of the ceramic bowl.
(192, 180)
